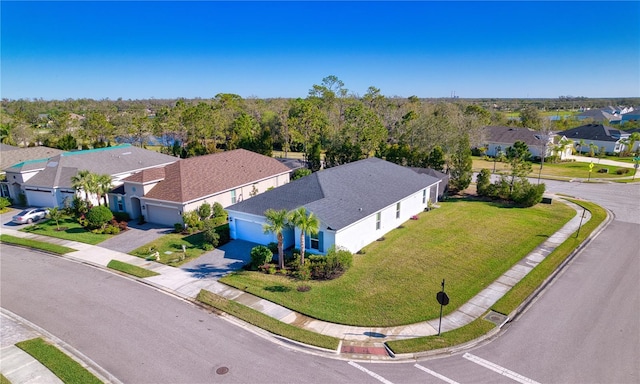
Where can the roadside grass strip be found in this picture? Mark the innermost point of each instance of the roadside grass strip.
(4, 380)
(267, 323)
(41, 245)
(67, 369)
(525, 287)
(471, 331)
(131, 269)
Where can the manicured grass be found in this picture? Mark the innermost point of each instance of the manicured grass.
(529, 283)
(131, 269)
(468, 243)
(53, 248)
(67, 369)
(568, 170)
(471, 331)
(268, 323)
(170, 248)
(71, 230)
(4, 380)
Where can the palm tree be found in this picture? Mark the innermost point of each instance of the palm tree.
(103, 186)
(277, 221)
(81, 181)
(306, 223)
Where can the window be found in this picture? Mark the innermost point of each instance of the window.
(233, 196)
(424, 196)
(397, 210)
(120, 204)
(315, 241)
(378, 220)
(4, 190)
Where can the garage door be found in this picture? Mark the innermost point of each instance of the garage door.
(162, 215)
(250, 231)
(39, 198)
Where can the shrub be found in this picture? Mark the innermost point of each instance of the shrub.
(79, 206)
(98, 216)
(190, 219)
(260, 255)
(112, 230)
(207, 247)
(218, 211)
(204, 211)
(273, 247)
(622, 171)
(178, 227)
(483, 181)
(328, 267)
(123, 225)
(300, 172)
(223, 232)
(526, 194)
(304, 272)
(211, 237)
(4, 202)
(121, 216)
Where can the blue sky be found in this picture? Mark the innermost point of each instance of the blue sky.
(134, 50)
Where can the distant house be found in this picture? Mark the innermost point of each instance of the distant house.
(46, 182)
(163, 194)
(611, 139)
(605, 115)
(10, 155)
(356, 204)
(498, 138)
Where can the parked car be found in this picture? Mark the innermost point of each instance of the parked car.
(30, 215)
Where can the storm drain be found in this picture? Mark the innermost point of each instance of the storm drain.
(222, 370)
(496, 318)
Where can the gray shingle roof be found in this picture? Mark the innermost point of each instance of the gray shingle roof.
(58, 170)
(342, 195)
(593, 132)
(509, 135)
(11, 156)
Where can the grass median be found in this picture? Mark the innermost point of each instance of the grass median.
(41, 245)
(131, 269)
(63, 366)
(267, 323)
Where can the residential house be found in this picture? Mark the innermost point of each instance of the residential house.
(10, 155)
(598, 135)
(498, 138)
(163, 194)
(603, 116)
(46, 182)
(356, 204)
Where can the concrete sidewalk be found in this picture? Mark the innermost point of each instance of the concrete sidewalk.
(187, 284)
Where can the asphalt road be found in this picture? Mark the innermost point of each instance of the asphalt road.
(585, 328)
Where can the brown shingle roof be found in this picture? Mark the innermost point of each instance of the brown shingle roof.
(147, 175)
(198, 177)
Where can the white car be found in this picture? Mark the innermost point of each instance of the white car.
(30, 215)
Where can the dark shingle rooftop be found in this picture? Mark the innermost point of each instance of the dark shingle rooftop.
(342, 195)
(593, 132)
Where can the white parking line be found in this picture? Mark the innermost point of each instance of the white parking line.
(501, 370)
(436, 374)
(368, 372)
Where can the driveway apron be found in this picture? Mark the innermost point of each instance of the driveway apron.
(217, 263)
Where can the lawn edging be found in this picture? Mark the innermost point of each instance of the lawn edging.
(131, 269)
(268, 323)
(59, 363)
(36, 244)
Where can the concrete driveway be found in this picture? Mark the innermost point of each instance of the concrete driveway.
(221, 261)
(135, 237)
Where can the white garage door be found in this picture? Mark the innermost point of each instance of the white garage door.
(250, 231)
(162, 215)
(39, 198)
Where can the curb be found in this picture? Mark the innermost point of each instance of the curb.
(90, 365)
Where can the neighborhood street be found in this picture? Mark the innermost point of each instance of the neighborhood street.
(583, 328)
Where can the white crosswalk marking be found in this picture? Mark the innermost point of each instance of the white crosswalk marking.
(436, 374)
(501, 370)
(370, 373)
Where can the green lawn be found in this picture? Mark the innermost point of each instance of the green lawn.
(170, 248)
(53, 248)
(67, 369)
(130, 269)
(468, 243)
(70, 230)
(567, 170)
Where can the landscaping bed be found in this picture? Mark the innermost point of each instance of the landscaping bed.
(468, 243)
